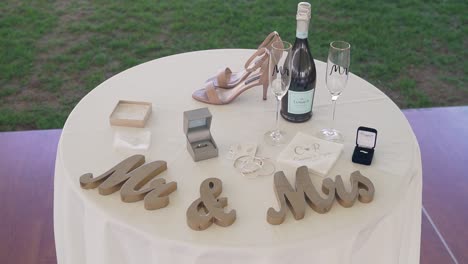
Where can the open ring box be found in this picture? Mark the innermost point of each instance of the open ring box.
(200, 143)
(366, 138)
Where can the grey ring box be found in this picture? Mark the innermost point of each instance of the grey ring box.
(200, 143)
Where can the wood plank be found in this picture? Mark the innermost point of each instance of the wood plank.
(442, 135)
(432, 249)
(27, 161)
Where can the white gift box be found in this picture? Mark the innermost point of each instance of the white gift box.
(317, 154)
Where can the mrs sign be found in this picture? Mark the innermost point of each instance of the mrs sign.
(296, 198)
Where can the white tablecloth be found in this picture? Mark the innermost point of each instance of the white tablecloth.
(90, 228)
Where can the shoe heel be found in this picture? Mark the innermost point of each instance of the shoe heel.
(265, 90)
(264, 77)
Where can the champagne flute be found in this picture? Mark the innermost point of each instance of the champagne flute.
(336, 79)
(279, 78)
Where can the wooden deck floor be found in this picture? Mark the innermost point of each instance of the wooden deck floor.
(442, 135)
(27, 161)
(26, 189)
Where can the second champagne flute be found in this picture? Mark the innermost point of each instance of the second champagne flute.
(279, 78)
(336, 79)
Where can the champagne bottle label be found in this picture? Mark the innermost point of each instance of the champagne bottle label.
(300, 102)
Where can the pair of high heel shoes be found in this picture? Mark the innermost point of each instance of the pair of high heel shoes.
(227, 85)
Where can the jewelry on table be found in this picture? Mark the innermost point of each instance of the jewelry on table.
(245, 149)
(202, 145)
(254, 166)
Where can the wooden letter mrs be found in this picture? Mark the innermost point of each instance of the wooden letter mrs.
(296, 198)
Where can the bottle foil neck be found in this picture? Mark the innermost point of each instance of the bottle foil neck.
(302, 30)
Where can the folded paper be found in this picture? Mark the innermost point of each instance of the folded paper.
(305, 150)
(126, 138)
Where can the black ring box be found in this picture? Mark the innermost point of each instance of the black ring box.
(364, 150)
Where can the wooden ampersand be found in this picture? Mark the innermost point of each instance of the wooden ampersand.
(295, 199)
(129, 176)
(208, 209)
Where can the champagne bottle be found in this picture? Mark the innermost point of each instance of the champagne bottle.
(296, 105)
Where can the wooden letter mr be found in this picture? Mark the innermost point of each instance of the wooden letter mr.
(129, 176)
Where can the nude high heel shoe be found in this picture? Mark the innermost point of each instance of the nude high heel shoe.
(227, 79)
(272, 37)
(217, 96)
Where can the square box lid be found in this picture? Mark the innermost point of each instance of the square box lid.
(366, 137)
(197, 119)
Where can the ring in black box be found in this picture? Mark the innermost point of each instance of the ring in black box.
(366, 138)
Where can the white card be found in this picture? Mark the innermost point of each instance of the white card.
(304, 150)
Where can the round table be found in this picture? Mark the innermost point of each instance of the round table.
(91, 228)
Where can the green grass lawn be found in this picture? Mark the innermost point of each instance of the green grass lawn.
(54, 52)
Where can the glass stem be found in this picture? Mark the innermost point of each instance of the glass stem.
(277, 115)
(334, 98)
